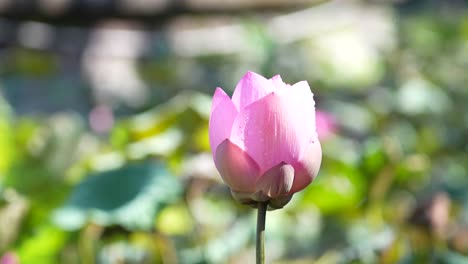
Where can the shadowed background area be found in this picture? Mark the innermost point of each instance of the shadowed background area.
(104, 108)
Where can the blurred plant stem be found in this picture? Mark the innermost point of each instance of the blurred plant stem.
(261, 216)
(166, 248)
(89, 243)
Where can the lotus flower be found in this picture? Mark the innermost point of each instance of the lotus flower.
(326, 125)
(264, 141)
(9, 258)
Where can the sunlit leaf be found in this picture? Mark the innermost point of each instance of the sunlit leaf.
(130, 196)
(43, 247)
(338, 187)
(175, 220)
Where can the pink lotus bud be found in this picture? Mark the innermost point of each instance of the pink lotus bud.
(9, 258)
(326, 124)
(264, 141)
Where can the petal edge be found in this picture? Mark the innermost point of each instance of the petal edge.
(308, 166)
(222, 117)
(236, 167)
(251, 88)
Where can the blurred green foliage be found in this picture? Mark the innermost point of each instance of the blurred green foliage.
(392, 187)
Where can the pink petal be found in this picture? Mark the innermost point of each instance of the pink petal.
(275, 129)
(278, 82)
(223, 113)
(9, 258)
(301, 104)
(302, 96)
(250, 88)
(308, 166)
(276, 79)
(277, 181)
(326, 124)
(236, 167)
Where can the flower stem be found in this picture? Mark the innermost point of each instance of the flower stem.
(261, 216)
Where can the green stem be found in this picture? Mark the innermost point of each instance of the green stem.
(261, 216)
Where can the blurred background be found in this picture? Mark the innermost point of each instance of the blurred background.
(104, 107)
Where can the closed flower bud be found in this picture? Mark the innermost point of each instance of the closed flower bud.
(264, 141)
